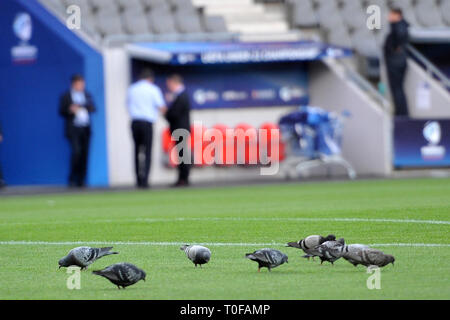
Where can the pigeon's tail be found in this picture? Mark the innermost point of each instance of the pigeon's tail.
(293, 245)
(249, 256)
(106, 252)
(308, 256)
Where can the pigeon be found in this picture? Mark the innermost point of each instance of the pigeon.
(84, 256)
(369, 257)
(331, 250)
(197, 254)
(267, 258)
(122, 274)
(351, 253)
(309, 244)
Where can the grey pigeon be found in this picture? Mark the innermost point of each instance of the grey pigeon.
(84, 256)
(331, 250)
(197, 254)
(122, 274)
(309, 244)
(370, 257)
(267, 258)
(351, 253)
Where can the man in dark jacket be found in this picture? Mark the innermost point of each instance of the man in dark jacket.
(2, 182)
(76, 105)
(395, 53)
(178, 117)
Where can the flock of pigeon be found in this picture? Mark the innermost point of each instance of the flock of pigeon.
(326, 248)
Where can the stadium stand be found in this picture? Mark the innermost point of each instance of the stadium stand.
(341, 21)
(104, 19)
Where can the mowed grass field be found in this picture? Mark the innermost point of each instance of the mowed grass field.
(406, 218)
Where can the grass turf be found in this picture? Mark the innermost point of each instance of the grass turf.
(30, 271)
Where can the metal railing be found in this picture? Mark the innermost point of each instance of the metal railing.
(430, 68)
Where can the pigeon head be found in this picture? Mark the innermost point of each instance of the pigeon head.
(143, 275)
(390, 259)
(182, 248)
(342, 241)
(285, 259)
(330, 237)
(63, 262)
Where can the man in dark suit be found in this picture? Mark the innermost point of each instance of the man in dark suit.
(178, 117)
(2, 182)
(76, 105)
(395, 52)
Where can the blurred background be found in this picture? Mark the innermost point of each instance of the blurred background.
(246, 63)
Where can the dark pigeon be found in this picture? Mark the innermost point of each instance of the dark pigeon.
(370, 257)
(310, 243)
(267, 258)
(331, 250)
(352, 253)
(122, 274)
(84, 256)
(197, 254)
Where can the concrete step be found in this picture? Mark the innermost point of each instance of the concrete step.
(257, 27)
(243, 17)
(241, 9)
(204, 3)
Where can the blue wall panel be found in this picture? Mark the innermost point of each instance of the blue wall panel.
(34, 149)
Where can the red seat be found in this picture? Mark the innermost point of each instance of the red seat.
(270, 140)
(246, 143)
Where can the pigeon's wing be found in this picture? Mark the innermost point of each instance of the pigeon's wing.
(129, 272)
(353, 256)
(312, 242)
(331, 249)
(109, 273)
(375, 257)
(82, 255)
(260, 255)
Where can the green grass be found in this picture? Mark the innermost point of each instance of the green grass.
(31, 271)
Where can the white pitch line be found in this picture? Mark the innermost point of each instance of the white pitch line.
(219, 244)
(156, 220)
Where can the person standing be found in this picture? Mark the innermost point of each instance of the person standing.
(76, 105)
(178, 117)
(395, 53)
(144, 100)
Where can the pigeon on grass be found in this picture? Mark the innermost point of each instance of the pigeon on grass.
(331, 250)
(351, 253)
(84, 256)
(122, 274)
(267, 258)
(197, 254)
(369, 257)
(310, 243)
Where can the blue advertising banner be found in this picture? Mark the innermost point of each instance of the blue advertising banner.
(238, 86)
(209, 53)
(421, 143)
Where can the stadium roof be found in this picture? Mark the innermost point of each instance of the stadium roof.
(204, 53)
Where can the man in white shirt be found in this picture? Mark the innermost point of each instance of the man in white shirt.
(144, 102)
